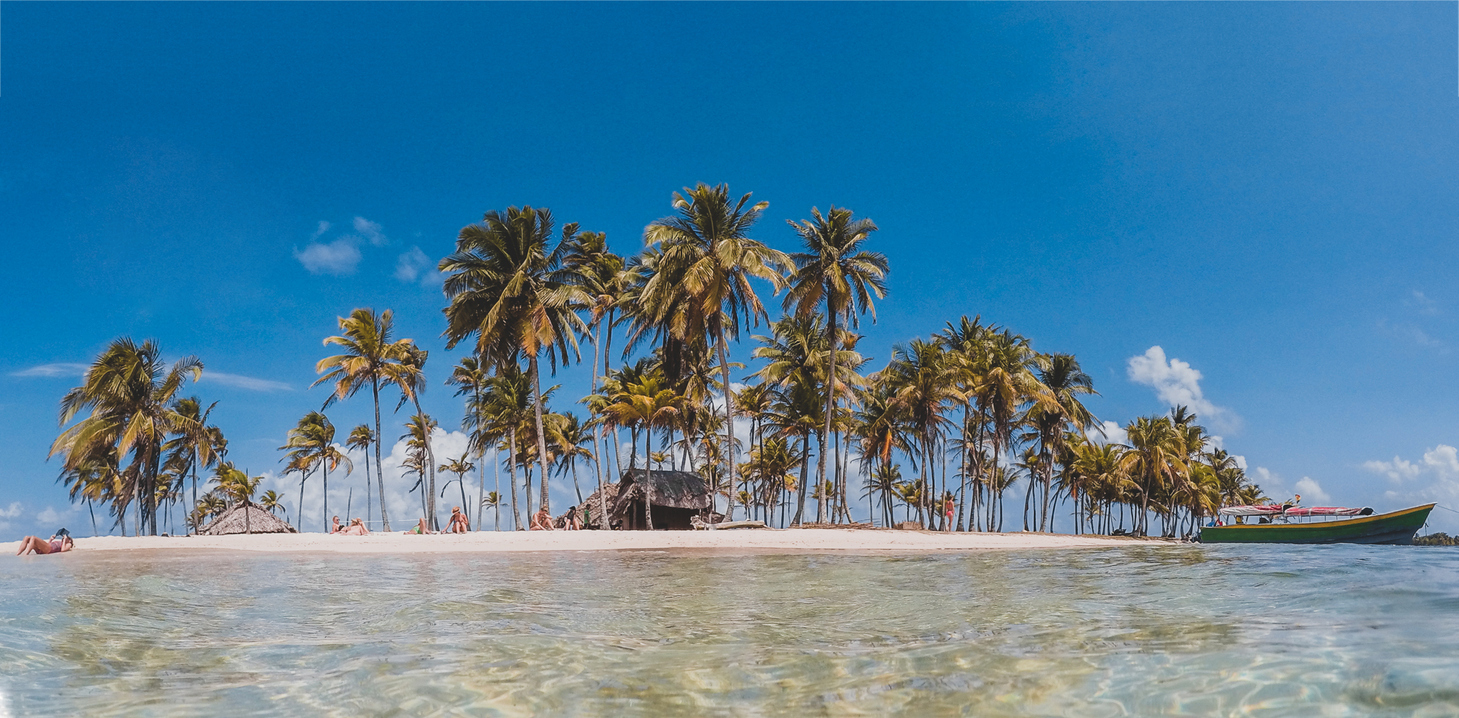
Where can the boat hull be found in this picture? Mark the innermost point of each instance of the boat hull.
(1397, 527)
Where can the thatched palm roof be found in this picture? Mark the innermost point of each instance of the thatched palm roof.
(246, 518)
(674, 489)
(591, 507)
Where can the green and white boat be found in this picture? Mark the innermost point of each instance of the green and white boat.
(1322, 524)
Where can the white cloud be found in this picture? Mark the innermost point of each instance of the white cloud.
(414, 265)
(1113, 434)
(1442, 462)
(1308, 486)
(371, 231)
(50, 516)
(12, 511)
(323, 227)
(1177, 383)
(1270, 482)
(58, 369)
(244, 382)
(339, 257)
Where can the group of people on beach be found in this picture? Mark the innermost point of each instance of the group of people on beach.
(458, 524)
(543, 521)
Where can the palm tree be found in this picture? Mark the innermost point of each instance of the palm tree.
(921, 374)
(701, 290)
(238, 487)
(271, 501)
(1005, 382)
(196, 444)
(460, 467)
(1154, 458)
(129, 392)
(569, 437)
(310, 444)
(370, 359)
(600, 274)
(499, 413)
(835, 271)
(361, 438)
(494, 500)
(506, 288)
(645, 405)
(1064, 382)
(470, 377)
(417, 437)
(411, 380)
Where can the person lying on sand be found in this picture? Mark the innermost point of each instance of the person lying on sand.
(356, 528)
(336, 528)
(60, 543)
(420, 527)
(542, 521)
(458, 524)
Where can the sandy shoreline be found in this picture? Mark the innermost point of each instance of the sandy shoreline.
(814, 540)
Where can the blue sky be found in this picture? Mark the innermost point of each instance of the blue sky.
(1266, 192)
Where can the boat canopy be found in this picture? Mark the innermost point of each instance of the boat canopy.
(1276, 510)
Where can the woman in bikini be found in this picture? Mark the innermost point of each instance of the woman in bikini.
(356, 528)
(542, 521)
(43, 546)
(458, 524)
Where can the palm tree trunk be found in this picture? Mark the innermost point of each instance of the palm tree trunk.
(481, 490)
(195, 482)
(154, 466)
(541, 436)
(379, 472)
(302, 478)
(729, 419)
(466, 507)
(326, 494)
(648, 481)
(512, 477)
(830, 408)
(496, 470)
(598, 433)
(368, 508)
(430, 468)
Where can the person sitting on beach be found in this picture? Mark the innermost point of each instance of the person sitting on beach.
(458, 523)
(356, 528)
(542, 521)
(420, 527)
(336, 528)
(59, 543)
(573, 522)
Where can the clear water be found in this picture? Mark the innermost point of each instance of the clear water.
(1187, 630)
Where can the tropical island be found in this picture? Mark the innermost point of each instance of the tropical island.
(955, 431)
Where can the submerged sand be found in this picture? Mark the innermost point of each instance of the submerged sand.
(815, 540)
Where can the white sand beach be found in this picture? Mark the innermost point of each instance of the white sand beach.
(793, 540)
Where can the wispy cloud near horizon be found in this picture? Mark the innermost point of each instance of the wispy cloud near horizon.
(238, 381)
(57, 369)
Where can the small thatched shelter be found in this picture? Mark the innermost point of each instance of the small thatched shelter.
(678, 496)
(591, 508)
(246, 518)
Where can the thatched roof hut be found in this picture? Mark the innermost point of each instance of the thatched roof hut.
(246, 518)
(591, 507)
(678, 496)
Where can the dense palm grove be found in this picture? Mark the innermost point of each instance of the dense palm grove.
(945, 435)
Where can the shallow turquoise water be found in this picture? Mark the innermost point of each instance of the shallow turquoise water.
(1183, 630)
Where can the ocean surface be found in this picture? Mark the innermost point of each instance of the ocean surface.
(1179, 630)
